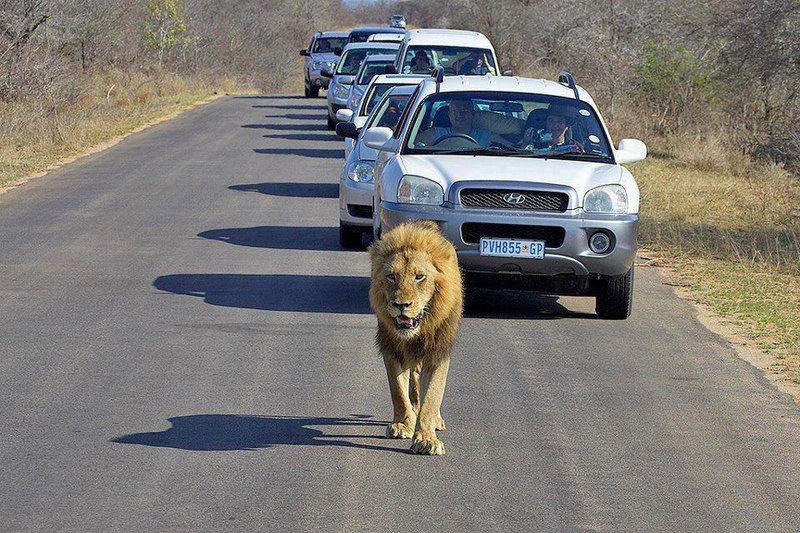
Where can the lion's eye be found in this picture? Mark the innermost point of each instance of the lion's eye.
(390, 277)
(419, 277)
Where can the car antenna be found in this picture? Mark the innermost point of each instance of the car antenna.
(565, 78)
(438, 75)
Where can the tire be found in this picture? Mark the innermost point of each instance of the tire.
(314, 92)
(306, 91)
(350, 237)
(615, 298)
(331, 124)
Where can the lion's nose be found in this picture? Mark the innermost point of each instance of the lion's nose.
(401, 305)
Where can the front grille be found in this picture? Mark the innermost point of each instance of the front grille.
(533, 200)
(362, 211)
(553, 237)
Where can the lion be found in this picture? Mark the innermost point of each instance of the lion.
(418, 297)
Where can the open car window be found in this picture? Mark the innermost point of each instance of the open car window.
(508, 124)
(389, 112)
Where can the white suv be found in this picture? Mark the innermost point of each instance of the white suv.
(522, 177)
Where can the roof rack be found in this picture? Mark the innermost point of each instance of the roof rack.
(566, 79)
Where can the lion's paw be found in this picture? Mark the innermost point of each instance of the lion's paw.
(427, 445)
(399, 430)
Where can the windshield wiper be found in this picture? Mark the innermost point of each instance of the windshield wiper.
(577, 154)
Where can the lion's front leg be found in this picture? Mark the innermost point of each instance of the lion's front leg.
(405, 418)
(433, 383)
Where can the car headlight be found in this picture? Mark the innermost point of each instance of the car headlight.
(606, 199)
(417, 190)
(341, 91)
(361, 171)
(318, 65)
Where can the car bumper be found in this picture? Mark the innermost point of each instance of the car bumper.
(355, 202)
(572, 258)
(316, 79)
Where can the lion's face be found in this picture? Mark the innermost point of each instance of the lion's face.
(408, 285)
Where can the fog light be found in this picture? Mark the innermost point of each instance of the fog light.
(599, 243)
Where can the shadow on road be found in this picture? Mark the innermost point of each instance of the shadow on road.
(325, 137)
(271, 97)
(274, 292)
(493, 304)
(287, 127)
(304, 116)
(279, 237)
(296, 190)
(291, 107)
(323, 153)
(240, 432)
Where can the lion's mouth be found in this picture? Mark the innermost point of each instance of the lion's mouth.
(404, 322)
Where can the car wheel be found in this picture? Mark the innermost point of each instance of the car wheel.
(350, 237)
(331, 124)
(306, 92)
(615, 298)
(314, 92)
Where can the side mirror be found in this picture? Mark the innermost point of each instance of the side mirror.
(304, 53)
(344, 115)
(508, 72)
(347, 130)
(390, 69)
(375, 138)
(630, 151)
(326, 72)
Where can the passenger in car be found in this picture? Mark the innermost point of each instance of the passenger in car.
(483, 127)
(558, 124)
(421, 64)
(476, 65)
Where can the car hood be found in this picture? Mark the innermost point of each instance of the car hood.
(325, 57)
(449, 169)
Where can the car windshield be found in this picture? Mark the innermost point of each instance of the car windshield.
(389, 112)
(329, 45)
(508, 124)
(371, 69)
(455, 60)
(351, 60)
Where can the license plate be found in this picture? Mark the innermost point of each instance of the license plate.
(512, 248)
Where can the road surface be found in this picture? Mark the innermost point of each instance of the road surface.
(185, 347)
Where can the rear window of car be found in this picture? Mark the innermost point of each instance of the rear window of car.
(372, 69)
(351, 60)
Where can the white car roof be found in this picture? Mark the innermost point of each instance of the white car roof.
(442, 37)
(512, 84)
(379, 57)
(356, 46)
(333, 34)
(399, 79)
(386, 38)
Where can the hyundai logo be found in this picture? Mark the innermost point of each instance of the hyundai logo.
(514, 198)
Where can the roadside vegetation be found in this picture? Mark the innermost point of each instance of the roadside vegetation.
(713, 88)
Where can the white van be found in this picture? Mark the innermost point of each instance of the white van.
(458, 52)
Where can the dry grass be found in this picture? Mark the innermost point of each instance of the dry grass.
(37, 133)
(731, 230)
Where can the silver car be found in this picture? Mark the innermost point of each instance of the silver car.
(344, 74)
(355, 180)
(322, 53)
(372, 66)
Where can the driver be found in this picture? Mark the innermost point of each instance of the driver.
(476, 65)
(484, 127)
(557, 124)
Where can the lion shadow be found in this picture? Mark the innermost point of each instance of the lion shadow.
(274, 292)
(226, 432)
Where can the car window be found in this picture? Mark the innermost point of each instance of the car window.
(351, 60)
(370, 70)
(508, 124)
(401, 121)
(389, 112)
(329, 45)
(454, 60)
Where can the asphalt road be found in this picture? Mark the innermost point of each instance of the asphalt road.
(185, 347)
